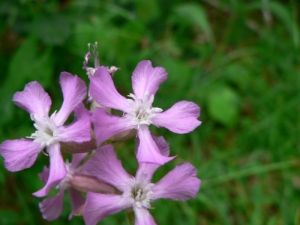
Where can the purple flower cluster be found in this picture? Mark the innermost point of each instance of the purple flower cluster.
(95, 168)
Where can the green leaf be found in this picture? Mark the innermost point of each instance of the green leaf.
(147, 10)
(283, 14)
(2, 172)
(196, 15)
(179, 73)
(8, 217)
(52, 29)
(28, 64)
(7, 106)
(223, 105)
(238, 74)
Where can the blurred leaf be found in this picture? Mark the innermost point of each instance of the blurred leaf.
(238, 75)
(179, 73)
(52, 29)
(8, 217)
(28, 64)
(2, 171)
(297, 216)
(223, 105)
(196, 15)
(147, 10)
(10, 10)
(86, 33)
(275, 220)
(83, 34)
(283, 14)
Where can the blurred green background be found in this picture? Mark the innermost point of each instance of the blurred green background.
(238, 60)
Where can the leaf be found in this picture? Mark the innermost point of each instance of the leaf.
(283, 14)
(8, 217)
(196, 15)
(223, 105)
(147, 10)
(52, 29)
(7, 106)
(179, 73)
(28, 64)
(238, 74)
(2, 171)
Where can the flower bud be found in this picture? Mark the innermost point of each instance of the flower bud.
(85, 183)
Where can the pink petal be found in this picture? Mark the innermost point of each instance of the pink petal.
(105, 166)
(179, 184)
(77, 159)
(145, 78)
(19, 154)
(74, 91)
(57, 169)
(77, 201)
(180, 118)
(44, 175)
(104, 91)
(52, 207)
(80, 129)
(163, 146)
(146, 170)
(99, 206)
(107, 125)
(33, 99)
(148, 152)
(143, 217)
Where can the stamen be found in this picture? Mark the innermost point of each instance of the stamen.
(140, 193)
(142, 111)
(46, 131)
(44, 151)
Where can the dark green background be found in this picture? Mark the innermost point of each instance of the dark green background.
(238, 60)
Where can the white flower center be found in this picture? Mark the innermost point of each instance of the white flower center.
(139, 193)
(142, 111)
(47, 131)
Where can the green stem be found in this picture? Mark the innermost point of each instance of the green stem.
(130, 217)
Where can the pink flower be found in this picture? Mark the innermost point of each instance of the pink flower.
(52, 207)
(136, 192)
(138, 112)
(22, 153)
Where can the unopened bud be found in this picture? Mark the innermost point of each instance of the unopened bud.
(91, 53)
(74, 147)
(85, 183)
(124, 135)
